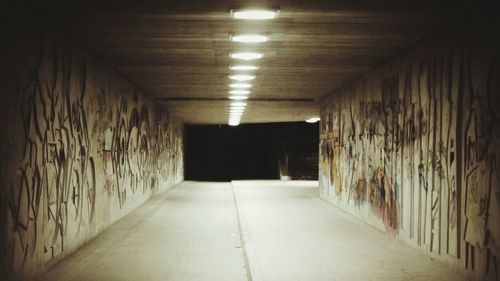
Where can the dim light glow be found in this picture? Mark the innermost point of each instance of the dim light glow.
(242, 77)
(243, 67)
(239, 92)
(255, 14)
(238, 97)
(247, 56)
(313, 120)
(250, 38)
(240, 85)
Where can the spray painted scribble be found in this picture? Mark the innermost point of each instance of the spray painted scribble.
(86, 134)
(57, 177)
(138, 152)
(418, 144)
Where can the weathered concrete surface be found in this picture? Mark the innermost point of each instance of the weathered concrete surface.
(81, 147)
(289, 233)
(414, 149)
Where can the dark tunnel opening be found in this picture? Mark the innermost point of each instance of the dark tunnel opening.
(251, 151)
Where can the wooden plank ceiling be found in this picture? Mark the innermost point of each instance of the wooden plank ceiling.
(179, 53)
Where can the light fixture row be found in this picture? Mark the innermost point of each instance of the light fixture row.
(240, 84)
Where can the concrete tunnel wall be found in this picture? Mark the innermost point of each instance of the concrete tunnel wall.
(81, 147)
(413, 148)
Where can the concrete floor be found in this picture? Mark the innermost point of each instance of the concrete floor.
(192, 232)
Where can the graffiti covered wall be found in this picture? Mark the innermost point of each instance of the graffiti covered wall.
(81, 147)
(413, 148)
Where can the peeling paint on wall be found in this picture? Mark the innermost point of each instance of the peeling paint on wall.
(414, 148)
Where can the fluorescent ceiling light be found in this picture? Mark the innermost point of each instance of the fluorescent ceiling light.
(247, 56)
(255, 14)
(234, 124)
(240, 85)
(250, 38)
(238, 97)
(242, 109)
(238, 103)
(239, 92)
(242, 77)
(237, 109)
(313, 120)
(243, 67)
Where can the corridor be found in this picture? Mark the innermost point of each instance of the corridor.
(250, 140)
(245, 230)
